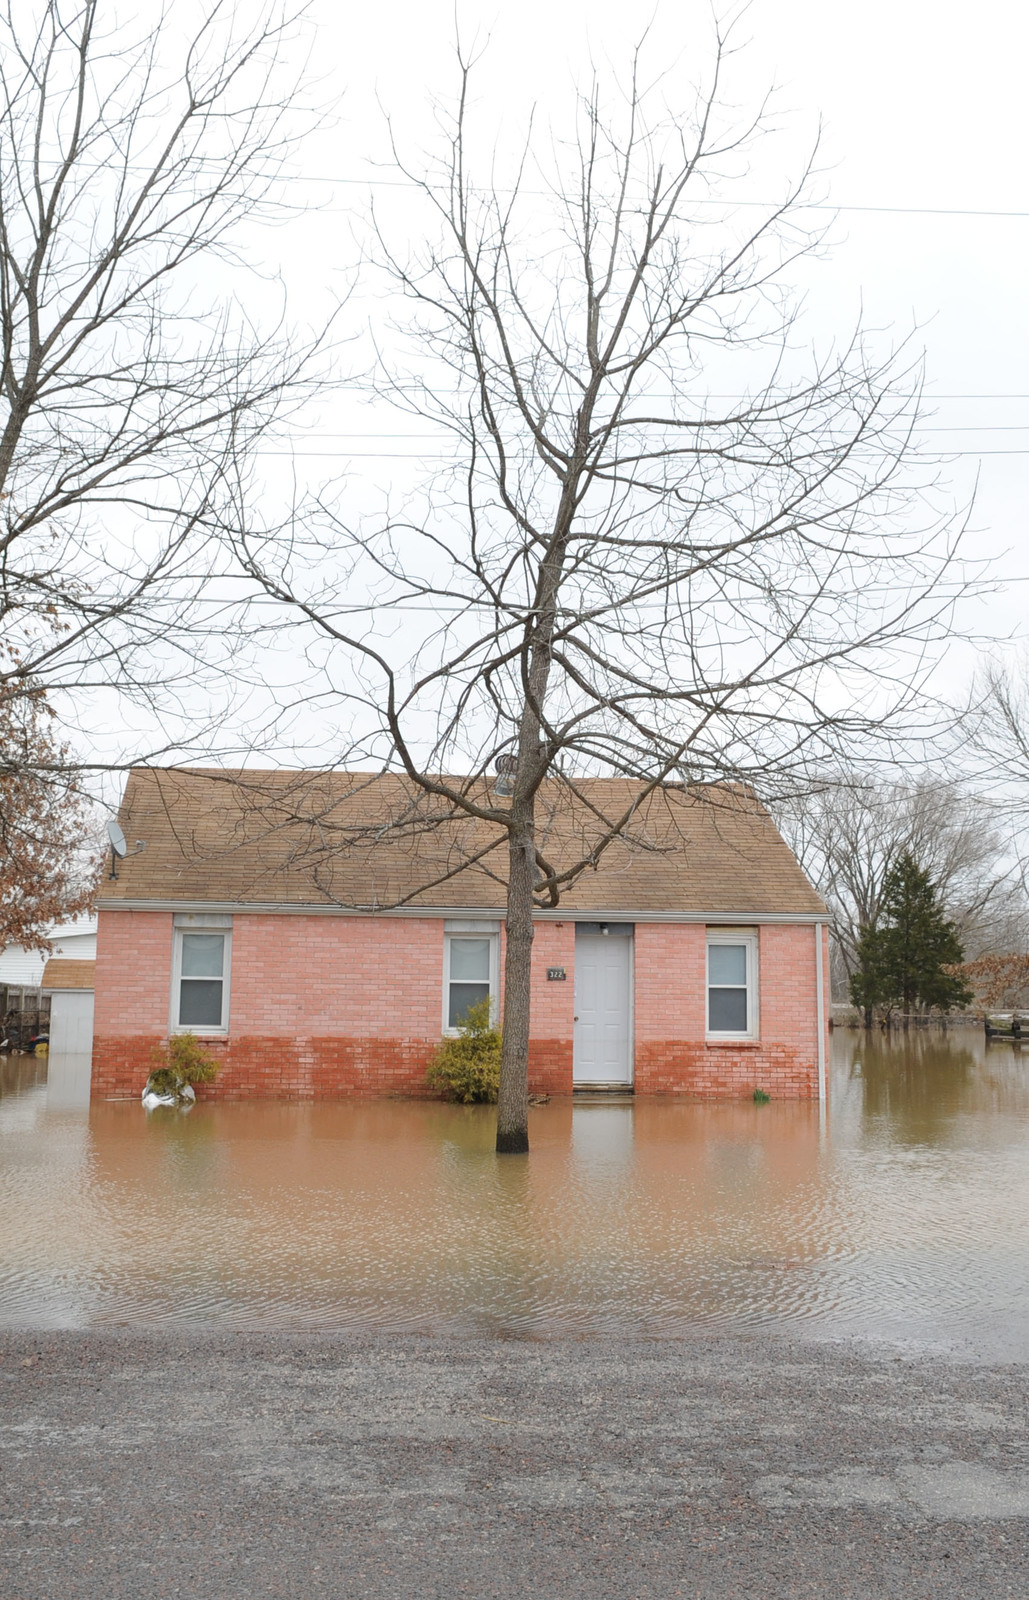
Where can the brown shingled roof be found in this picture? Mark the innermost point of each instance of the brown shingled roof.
(61, 972)
(373, 842)
(367, 841)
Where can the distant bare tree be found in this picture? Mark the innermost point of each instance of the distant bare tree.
(628, 574)
(131, 393)
(850, 832)
(1000, 730)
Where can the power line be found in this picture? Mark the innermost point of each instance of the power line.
(765, 205)
(417, 455)
(736, 394)
(696, 200)
(432, 438)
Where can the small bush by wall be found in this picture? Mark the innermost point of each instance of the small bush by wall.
(468, 1068)
(180, 1062)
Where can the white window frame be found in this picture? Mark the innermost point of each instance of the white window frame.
(494, 971)
(748, 938)
(207, 1031)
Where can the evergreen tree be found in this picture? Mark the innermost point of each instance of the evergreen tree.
(867, 982)
(902, 961)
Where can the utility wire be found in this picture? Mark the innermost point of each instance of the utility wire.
(145, 170)
(418, 455)
(432, 438)
(661, 394)
(728, 205)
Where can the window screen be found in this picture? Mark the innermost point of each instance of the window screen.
(728, 1010)
(469, 977)
(202, 980)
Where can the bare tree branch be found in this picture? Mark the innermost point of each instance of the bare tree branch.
(627, 578)
(131, 396)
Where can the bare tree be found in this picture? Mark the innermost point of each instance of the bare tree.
(131, 393)
(627, 574)
(999, 721)
(850, 831)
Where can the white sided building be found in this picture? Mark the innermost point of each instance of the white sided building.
(65, 977)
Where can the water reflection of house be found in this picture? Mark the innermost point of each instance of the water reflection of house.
(286, 918)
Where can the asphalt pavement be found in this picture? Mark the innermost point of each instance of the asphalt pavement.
(223, 1465)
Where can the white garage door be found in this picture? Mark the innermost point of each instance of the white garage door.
(71, 1022)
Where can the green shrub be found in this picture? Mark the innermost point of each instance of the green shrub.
(468, 1068)
(182, 1060)
(164, 1080)
(761, 1098)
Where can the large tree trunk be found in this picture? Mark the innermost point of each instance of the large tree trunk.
(513, 1100)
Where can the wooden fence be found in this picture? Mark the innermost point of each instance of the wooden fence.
(25, 1013)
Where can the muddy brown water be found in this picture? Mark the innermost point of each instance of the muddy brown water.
(902, 1215)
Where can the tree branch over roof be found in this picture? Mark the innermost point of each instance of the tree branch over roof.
(627, 578)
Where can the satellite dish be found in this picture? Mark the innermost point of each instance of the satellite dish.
(117, 839)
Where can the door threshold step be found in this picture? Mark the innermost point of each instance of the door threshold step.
(603, 1092)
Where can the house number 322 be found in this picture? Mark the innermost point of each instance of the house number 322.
(556, 974)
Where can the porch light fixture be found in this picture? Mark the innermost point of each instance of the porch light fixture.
(506, 767)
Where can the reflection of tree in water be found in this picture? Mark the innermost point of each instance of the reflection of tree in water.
(918, 1080)
(472, 1129)
(189, 1143)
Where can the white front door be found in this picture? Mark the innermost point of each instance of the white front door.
(602, 1039)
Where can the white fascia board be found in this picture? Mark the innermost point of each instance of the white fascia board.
(479, 913)
(80, 928)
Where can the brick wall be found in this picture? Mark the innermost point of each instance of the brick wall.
(550, 1052)
(321, 1007)
(331, 1007)
(672, 1056)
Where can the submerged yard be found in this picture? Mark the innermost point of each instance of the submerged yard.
(900, 1216)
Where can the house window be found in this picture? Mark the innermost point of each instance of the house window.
(732, 985)
(471, 975)
(200, 1002)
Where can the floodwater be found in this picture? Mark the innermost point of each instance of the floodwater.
(902, 1216)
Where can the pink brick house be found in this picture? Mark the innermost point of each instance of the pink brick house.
(321, 937)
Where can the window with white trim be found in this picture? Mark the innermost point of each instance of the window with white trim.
(732, 985)
(200, 981)
(470, 975)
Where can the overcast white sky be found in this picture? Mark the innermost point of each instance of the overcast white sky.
(923, 111)
(924, 114)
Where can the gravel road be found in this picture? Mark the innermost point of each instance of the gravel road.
(217, 1466)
